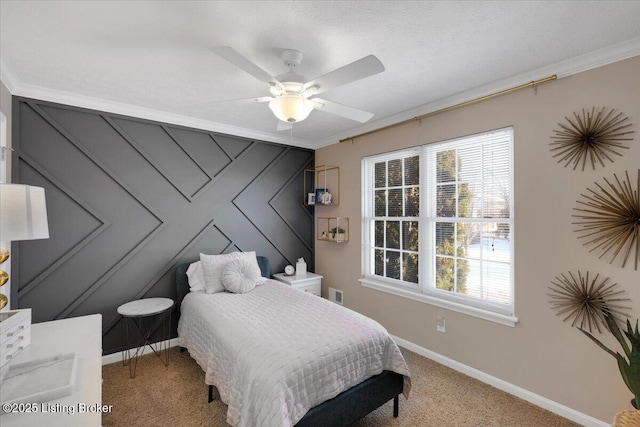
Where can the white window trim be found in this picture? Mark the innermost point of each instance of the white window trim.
(491, 316)
(477, 308)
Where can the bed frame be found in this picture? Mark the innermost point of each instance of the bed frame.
(347, 407)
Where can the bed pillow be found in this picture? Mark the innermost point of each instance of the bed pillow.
(213, 265)
(251, 257)
(195, 277)
(240, 276)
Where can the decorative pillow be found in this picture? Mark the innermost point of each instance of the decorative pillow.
(240, 276)
(213, 265)
(196, 277)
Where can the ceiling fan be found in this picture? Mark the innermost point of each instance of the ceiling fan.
(292, 98)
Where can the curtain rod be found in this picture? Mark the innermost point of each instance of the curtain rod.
(533, 83)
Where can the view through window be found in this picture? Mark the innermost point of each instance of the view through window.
(438, 220)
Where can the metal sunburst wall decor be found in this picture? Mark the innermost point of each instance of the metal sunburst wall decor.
(594, 136)
(585, 300)
(610, 220)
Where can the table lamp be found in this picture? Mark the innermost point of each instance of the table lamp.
(23, 216)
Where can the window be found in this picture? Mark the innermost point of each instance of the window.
(438, 224)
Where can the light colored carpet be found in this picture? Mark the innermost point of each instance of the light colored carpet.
(441, 397)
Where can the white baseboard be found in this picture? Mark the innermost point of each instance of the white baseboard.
(117, 357)
(543, 402)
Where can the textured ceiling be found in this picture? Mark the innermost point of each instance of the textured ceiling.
(151, 59)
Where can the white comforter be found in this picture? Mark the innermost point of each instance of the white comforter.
(275, 352)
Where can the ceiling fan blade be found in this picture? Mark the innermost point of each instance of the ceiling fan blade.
(244, 64)
(341, 110)
(365, 67)
(245, 100)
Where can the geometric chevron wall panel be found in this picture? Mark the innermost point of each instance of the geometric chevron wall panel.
(129, 199)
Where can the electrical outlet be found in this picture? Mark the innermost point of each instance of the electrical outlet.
(441, 324)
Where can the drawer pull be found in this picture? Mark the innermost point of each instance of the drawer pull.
(9, 345)
(21, 327)
(10, 334)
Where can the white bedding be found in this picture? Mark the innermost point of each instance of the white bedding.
(275, 352)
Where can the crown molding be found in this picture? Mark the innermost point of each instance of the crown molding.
(609, 55)
(18, 88)
(575, 65)
(7, 77)
(578, 64)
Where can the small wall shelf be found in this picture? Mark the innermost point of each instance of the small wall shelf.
(333, 229)
(318, 180)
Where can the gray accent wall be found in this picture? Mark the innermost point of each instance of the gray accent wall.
(130, 199)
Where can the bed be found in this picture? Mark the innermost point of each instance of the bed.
(281, 357)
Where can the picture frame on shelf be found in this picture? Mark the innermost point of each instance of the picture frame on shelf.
(318, 180)
(318, 195)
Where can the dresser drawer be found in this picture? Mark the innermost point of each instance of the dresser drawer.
(15, 344)
(9, 334)
(309, 282)
(312, 288)
(15, 333)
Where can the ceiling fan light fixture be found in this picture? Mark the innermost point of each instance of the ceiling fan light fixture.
(291, 108)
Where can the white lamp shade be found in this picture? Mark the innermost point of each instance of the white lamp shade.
(23, 213)
(291, 108)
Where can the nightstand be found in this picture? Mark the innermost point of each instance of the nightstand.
(309, 282)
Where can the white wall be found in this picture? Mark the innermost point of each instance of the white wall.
(541, 354)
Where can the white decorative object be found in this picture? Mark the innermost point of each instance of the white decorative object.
(311, 198)
(40, 380)
(212, 266)
(23, 213)
(15, 333)
(325, 198)
(301, 267)
(240, 276)
(82, 336)
(23, 216)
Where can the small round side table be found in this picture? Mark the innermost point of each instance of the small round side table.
(133, 313)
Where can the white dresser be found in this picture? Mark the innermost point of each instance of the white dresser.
(80, 335)
(309, 282)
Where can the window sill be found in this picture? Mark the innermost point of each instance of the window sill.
(449, 305)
